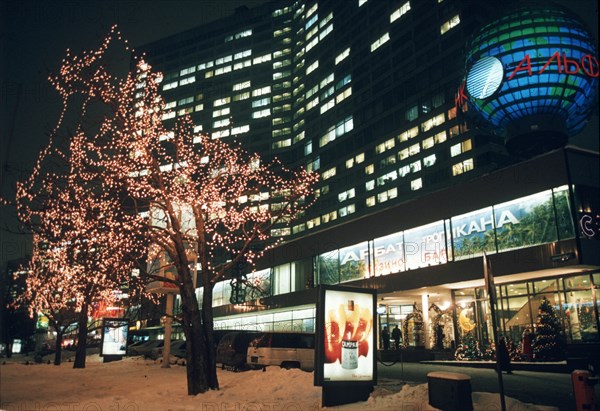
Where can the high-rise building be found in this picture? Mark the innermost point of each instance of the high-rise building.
(361, 91)
(412, 192)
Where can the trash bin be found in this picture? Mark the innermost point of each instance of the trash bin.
(449, 391)
(583, 390)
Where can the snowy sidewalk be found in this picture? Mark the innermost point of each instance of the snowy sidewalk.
(135, 384)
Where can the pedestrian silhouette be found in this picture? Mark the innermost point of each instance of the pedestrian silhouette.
(502, 356)
(385, 338)
(396, 336)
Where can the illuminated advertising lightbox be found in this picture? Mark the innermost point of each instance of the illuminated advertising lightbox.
(114, 336)
(346, 345)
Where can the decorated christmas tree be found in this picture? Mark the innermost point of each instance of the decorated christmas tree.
(468, 349)
(548, 343)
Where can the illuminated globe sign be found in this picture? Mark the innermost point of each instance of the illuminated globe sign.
(532, 76)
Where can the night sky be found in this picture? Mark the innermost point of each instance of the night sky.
(34, 35)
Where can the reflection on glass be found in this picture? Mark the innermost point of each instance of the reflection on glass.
(473, 233)
(329, 267)
(354, 262)
(563, 213)
(389, 254)
(425, 246)
(525, 221)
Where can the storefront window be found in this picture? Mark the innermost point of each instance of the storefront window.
(281, 279)
(259, 284)
(517, 312)
(579, 309)
(302, 274)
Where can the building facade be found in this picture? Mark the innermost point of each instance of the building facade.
(412, 193)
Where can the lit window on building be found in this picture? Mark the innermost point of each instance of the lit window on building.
(427, 143)
(240, 129)
(222, 112)
(361, 2)
(171, 85)
(261, 102)
(311, 21)
(370, 201)
(440, 137)
(340, 57)
(168, 115)
(281, 144)
(343, 95)
(414, 149)
(416, 184)
(404, 170)
(370, 169)
(462, 167)
(312, 67)
(327, 80)
(408, 134)
(261, 113)
(429, 160)
(453, 22)
(327, 174)
(415, 166)
(308, 148)
(242, 85)
(412, 113)
(345, 195)
(433, 122)
(380, 41)
(325, 32)
(221, 101)
(185, 111)
(347, 210)
(388, 177)
(370, 185)
(219, 134)
(460, 148)
(314, 222)
(400, 12)
(331, 216)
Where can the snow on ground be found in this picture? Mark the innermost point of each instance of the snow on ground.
(135, 384)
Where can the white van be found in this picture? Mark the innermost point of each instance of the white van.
(287, 350)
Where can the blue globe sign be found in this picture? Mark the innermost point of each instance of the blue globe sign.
(532, 76)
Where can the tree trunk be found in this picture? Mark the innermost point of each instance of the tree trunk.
(80, 353)
(195, 367)
(207, 328)
(58, 348)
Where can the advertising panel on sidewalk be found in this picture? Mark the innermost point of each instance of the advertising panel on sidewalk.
(346, 351)
(114, 336)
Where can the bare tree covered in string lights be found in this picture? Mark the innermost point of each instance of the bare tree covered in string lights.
(205, 202)
(85, 243)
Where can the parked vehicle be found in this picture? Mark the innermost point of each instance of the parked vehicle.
(145, 348)
(233, 348)
(177, 349)
(287, 350)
